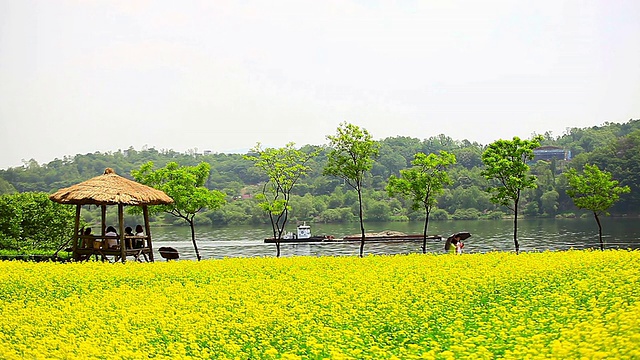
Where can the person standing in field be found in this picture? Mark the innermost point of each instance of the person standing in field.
(450, 245)
(454, 245)
(459, 246)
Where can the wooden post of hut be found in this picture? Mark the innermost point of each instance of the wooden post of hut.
(147, 229)
(106, 190)
(76, 230)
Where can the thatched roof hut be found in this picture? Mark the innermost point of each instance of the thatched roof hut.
(111, 189)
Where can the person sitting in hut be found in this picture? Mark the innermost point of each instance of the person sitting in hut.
(87, 238)
(111, 243)
(139, 243)
(128, 234)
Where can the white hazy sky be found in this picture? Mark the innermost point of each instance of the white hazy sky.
(89, 75)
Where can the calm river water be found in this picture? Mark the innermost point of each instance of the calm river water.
(487, 235)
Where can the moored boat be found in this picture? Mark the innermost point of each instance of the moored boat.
(303, 234)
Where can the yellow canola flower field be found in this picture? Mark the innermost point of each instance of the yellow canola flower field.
(574, 304)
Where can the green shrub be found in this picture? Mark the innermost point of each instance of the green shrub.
(493, 215)
(439, 214)
(466, 214)
(31, 222)
(399, 218)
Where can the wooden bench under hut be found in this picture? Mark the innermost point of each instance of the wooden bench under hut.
(106, 190)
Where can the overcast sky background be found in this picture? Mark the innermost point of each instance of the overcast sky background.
(84, 76)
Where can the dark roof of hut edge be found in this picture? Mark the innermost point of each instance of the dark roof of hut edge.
(110, 189)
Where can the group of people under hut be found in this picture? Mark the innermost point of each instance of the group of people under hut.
(112, 239)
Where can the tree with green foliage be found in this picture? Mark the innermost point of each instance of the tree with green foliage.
(284, 167)
(614, 147)
(506, 165)
(351, 157)
(594, 190)
(622, 159)
(31, 222)
(423, 183)
(185, 185)
(549, 203)
(6, 187)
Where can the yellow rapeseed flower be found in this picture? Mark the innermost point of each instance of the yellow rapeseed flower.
(572, 304)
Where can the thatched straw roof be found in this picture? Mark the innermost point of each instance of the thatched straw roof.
(110, 189)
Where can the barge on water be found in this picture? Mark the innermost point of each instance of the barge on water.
(389, 236)
(303, 235)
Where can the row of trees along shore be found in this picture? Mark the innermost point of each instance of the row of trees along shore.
(331, 185)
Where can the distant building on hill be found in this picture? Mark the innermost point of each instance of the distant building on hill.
(548, 153)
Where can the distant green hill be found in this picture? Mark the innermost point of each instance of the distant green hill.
(614, 147)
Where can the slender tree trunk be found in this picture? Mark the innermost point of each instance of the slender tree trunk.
(273, 221)
(361, 223)
(599, 230)
(515, 226)
(273, 226)
(280, 222)
(424, 232)
(285, 215)
(193, 238)
(278, 237)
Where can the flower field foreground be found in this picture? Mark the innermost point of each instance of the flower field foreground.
(533, 305)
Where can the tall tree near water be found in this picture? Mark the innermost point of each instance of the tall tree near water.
(594, 190)
(284, 167)
(506, 165)
(185, 185)
(423, 183)
(350, 158)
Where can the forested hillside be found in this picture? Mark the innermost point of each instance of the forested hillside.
(614, 147)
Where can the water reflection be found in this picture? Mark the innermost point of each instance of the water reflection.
(533, 235)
